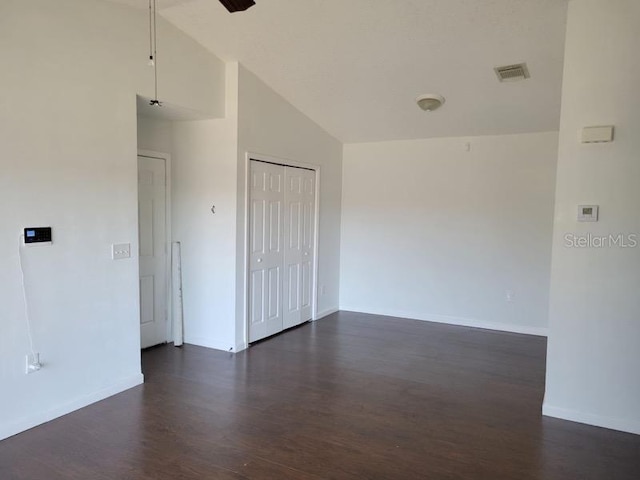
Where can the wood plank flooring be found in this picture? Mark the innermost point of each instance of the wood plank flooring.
(350, 397)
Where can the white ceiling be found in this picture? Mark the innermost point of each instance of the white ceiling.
(356, 66)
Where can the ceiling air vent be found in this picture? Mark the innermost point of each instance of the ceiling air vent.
(512, 73)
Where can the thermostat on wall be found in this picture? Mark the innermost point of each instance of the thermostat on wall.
(37, 235)
(588, 213)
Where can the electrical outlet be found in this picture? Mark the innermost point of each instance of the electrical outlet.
(323, 290)
(510, 296)
(32, 363)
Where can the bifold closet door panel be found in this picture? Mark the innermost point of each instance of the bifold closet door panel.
(299, 234)
(266, 249)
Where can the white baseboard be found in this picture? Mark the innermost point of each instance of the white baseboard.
(628, 426)
(31, 421)
(460, 321)
(325, 313)
(216, 344)
(211, 343)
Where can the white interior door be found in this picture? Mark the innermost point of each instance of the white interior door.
(299, 241)
(152, 192)
(266, 262)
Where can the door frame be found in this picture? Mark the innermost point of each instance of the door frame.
(168, 239)
(245, 268)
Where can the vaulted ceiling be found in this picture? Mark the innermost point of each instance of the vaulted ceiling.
(356, 66)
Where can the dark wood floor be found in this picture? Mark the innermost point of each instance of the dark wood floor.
(350, 397)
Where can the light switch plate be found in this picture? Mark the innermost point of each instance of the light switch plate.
(588, 213)
(120, 251)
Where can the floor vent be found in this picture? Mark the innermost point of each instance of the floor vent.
(512, 73)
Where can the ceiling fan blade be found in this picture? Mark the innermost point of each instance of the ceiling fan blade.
(237, 5)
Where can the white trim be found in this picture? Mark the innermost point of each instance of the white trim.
(168, 228)
(31, 421)
(459, 321)
(326, 313)
(248, 156)
(622, 425)
(245, 255)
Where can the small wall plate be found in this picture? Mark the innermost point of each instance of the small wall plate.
(120, 251)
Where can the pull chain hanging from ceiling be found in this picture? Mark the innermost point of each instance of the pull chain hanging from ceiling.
(153, 50)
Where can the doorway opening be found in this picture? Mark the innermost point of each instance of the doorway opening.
(159, 258)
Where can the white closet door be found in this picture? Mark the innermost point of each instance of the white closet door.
(266, 249)
(299, 229)
(153, 250)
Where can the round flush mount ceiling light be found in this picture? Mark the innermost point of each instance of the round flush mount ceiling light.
(430, 102)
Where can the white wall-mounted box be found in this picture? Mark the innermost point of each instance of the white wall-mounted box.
(597, 134)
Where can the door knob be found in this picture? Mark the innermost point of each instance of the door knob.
(259, 260)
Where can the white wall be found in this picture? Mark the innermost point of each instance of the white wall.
(70, 73)
(155, 135)
(204, 174)
(593, 352)
(435, 232)
(271, 126)
(209, 159)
